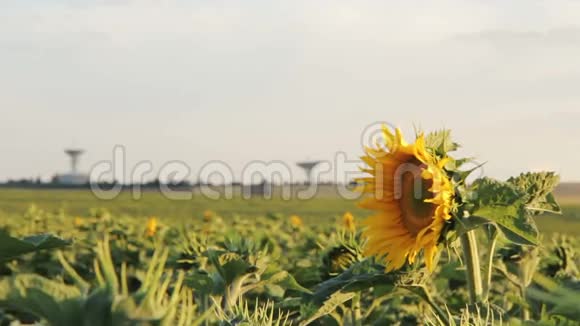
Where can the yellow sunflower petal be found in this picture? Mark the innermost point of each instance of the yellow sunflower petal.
(430, 252)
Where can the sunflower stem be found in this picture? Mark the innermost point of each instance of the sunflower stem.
(355, 310)
(489, 266)
(472, 271)
(525, 311)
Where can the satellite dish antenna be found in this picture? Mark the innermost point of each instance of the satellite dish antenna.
(308, 166)
(74, 154)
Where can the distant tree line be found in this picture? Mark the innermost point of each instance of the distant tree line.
(153, 184)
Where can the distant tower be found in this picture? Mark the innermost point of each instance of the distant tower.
(74, 158)
(308, 166)
(72, 177)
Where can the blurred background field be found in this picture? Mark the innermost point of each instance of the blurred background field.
(325, 207)
(302, 252)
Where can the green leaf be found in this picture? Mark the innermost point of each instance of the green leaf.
(15, 286)
(275, 291)
(458, 175)
(290, 283)
(509, 204)
(201, 282)
(513, 222)
(504, 204)
(12, 247)
(440, 141)
(234, 269)
(491, 192)
(329, 306)
(467, 224)
(563, 298)
(275, 275)
(360, 276)
(538, 187)
(41, 297)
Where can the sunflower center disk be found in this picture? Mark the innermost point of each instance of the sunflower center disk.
(412, 191)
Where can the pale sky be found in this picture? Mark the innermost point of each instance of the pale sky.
(286, 80)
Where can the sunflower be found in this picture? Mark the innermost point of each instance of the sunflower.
(78, 221)
(151, 227)
(348, 222)
(208, 215)
(412, 197)
(296, 221)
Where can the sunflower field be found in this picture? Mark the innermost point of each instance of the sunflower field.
(425, 245)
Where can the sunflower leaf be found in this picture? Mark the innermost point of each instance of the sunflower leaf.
(491, 192)
(473, 222)
(538, 187)
(513, 221)
(362, 275)
(505, 204)
(234, 269)
(13, 247)
(329, 305)
(285, 280)
(203, 283)
(461, 175)
(440, 141)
